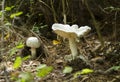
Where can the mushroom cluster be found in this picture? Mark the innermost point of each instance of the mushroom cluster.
(72, 33)
(34, 43)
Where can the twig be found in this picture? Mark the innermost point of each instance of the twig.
(64, 14)
(95, 23)
(115, 26)
(53, 10)
(2, 28)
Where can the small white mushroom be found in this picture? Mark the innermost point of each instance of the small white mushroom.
(72, 33)
(34, 43)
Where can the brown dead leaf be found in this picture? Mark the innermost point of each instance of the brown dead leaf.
(59, 61)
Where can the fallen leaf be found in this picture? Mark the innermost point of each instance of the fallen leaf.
(56, 42)
(67, 69)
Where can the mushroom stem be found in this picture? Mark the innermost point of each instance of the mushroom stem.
(33, 53)
(73, 47)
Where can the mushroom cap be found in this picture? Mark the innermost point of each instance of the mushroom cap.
(68, 31)
(83, 30)
(65, 30)
(33, 42)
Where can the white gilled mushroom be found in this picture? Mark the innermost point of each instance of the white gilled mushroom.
(72, 33)
(34, 43)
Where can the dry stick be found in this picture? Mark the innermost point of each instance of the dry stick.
(2, 25)
(95, 23)
(115, 25)
(64, 14)
(45, 4)
(53, 10)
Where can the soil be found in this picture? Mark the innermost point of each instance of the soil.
(101, 59)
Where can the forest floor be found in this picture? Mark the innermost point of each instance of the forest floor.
(103, 60)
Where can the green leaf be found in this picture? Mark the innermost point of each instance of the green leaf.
(26, 57)
(26, 77)
(67, 69)
(12, 15)
(9, 8)
(19, 13)
(44, 71)
(16, 14)
(86, 71)
(114, 68)
(19, 46)
(17, 63)
(1, 13)
(8, 24)
(76, 74)
(13, 51)
(41, 66)
(83, 71)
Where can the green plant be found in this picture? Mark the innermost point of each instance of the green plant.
(43, 70)
(113, 68)
(8, 12)
(111, 8)
(22, 77)
(67, 69)
(9, 8)
(0, 13)
(17, 63)
(15, 49)
(82, 72)
(25, 77)
(17, 14)
(36, 28)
